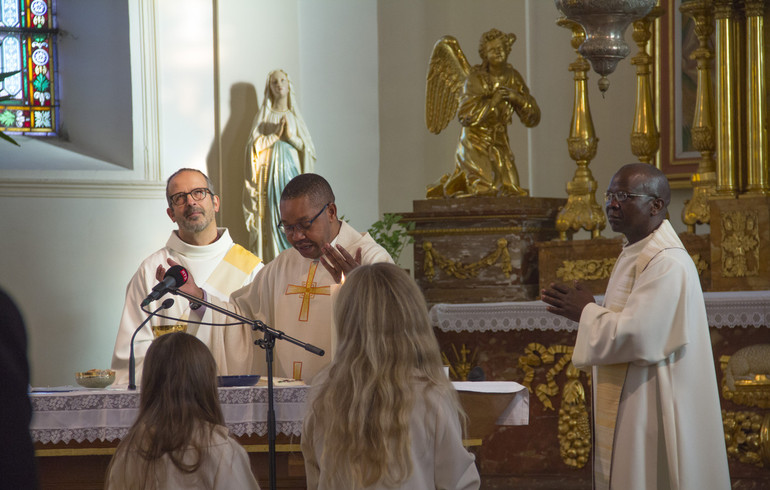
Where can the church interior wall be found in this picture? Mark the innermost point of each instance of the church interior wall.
(359, 70)
(250, 42)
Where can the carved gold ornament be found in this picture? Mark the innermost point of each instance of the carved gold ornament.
(740, 243)
(463, 363)
(574, 429)
(747, 376)
(586, 270)
(747, 382)
(457, 269)
(746, 436)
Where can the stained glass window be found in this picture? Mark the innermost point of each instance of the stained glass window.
(28, 96)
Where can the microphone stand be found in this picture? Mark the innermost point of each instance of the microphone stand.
(167, 303)
(267, 343)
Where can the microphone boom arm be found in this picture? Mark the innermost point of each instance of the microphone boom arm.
(255, 324)
(131, 357)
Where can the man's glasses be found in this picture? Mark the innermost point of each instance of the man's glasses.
(622, 196)
(180, 198)
(303, 226)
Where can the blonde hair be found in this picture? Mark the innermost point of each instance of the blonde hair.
(179, 409)
(387, 357)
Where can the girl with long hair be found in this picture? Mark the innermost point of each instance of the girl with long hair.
(179, 439)
(384, 414)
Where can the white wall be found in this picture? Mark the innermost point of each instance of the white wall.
(338, 55)
(253, 38)
(71, 239)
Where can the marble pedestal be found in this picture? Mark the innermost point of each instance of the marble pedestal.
(477, 250)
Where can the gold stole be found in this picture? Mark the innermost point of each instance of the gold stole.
(233, 270)
(608, 380)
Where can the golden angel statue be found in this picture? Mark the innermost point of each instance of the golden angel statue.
(487, 96)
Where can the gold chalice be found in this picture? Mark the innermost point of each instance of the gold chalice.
(158, 330)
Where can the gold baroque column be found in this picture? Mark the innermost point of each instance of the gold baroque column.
(581, 210)
(727, 98)
(645, 139)
(758, 183)
(696, 210)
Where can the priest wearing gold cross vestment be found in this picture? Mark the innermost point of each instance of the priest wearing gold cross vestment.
(294, 292)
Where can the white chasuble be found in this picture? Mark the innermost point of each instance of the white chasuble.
(657, 418)
(294, 294)
(221, 267)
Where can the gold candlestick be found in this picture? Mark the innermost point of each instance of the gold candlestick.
(696, 210)
(645, 139)
(581, 210)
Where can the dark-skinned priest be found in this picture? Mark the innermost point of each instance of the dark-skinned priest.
(656, 415)
(294, 292)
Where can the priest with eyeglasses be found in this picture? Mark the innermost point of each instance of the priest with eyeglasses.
(295, 291)
(656, 415)
(205, 250)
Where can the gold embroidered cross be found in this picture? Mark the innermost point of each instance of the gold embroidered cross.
(308, 291)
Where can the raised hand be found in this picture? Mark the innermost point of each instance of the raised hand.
(339, 261)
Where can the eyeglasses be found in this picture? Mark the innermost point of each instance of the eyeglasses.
(180, 198)
(303, 226)
(622, 196)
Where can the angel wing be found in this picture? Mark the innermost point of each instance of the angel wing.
(446, 75)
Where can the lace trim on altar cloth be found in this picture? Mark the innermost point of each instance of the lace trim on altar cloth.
(107, 415)
(724, 309)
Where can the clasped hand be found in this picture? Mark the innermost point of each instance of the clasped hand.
(283, 133)
(510, 95)
(567, 301)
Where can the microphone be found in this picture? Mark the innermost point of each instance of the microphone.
(174, 277)
(131, 358)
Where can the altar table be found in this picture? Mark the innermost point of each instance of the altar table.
(76, 432)
(107, 415)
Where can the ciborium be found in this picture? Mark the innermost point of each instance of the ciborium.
(605, 23)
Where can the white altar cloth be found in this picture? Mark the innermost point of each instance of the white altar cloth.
(725, 309)
(87, 414)
(106, 415)
(517, 412)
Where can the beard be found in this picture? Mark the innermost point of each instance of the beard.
(196, 225)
